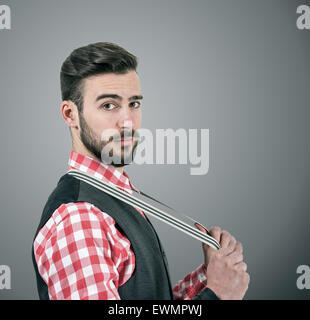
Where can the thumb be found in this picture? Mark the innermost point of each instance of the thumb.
(204, 230)
(201, 228)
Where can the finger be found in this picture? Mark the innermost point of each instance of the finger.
(224, 251)
(201, 228)
(241, 266)
(232, 242)
(215, 232)
(225, 239)
(238, 247)
(235, 257)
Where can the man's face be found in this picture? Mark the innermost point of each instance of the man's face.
(111, 111)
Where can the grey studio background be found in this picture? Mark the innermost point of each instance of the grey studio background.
(238, 68)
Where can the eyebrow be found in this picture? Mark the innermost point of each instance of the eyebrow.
(117, 97)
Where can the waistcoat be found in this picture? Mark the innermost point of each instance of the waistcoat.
(150, 279)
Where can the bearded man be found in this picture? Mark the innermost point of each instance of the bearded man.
(90, 245)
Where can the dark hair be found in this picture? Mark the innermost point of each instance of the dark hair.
(93, 59)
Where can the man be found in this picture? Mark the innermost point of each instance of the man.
(90, 245)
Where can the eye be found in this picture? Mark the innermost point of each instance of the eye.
(135, 104)
(109, 106)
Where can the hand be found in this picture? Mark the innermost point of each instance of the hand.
(226, 271)
(226, 274)
(222, 237)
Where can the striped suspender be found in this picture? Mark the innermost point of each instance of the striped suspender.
(145, 207)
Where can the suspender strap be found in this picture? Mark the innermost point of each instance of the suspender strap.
(145, 207)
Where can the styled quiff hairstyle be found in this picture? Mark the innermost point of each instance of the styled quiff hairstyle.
(93, 59)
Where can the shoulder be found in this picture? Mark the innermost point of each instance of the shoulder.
(78, 219)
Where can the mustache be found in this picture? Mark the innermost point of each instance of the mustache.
(124, 134)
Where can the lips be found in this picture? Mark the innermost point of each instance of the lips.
(125, 141)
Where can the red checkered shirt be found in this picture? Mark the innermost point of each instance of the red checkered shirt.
(81, 254)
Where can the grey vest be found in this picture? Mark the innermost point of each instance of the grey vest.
(150, 279)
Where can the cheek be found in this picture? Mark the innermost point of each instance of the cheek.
(100, 122)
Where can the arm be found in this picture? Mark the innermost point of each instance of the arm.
(76, 254)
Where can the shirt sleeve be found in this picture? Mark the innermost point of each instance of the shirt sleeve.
(77, 254)
(194, 286)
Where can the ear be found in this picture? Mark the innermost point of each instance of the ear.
(69, 113)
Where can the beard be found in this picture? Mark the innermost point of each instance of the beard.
(105, 153)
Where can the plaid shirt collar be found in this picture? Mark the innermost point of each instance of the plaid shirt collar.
(104, 172)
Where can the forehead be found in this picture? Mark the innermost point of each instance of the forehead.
(127, 84)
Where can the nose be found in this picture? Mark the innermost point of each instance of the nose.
(126, 119)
